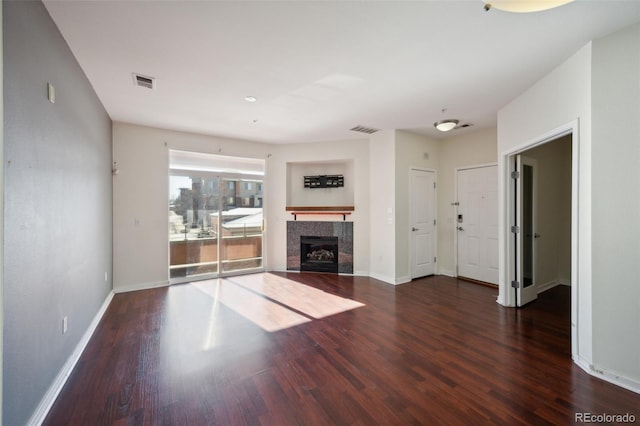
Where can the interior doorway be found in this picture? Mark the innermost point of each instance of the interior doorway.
(542, 229)
(579, 278)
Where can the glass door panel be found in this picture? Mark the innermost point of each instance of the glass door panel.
(241, 225)
(193, 212)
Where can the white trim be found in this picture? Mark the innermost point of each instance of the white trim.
(402, 280)
(547, 286)
(475, 166)
(143, 286)
(383, 278)
(54, 390)
(580, 284)
(608, 376)
(447, 273)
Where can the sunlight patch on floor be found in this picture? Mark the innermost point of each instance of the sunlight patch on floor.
(309, 300)
(273, 303)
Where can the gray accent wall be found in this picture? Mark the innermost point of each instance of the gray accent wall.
(57, 209)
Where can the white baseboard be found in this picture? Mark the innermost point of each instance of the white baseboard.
(447, 273)
(609, 376)
(136, 287)
(547, 286)
(38, 416)
(403, 280)
(384, 278)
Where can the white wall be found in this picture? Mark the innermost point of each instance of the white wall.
(616, 206)
(298, 195)
(597, 86)
(382, 207)
(554, 104)
(351, 156)
(412, 150)
(470, 149)
(140, 197)
(1, 204)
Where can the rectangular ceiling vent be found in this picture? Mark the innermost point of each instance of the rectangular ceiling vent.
(363, 129)
(462, 126)
(144, 81)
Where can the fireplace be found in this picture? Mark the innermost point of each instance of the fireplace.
(342, 230)
(319, 254)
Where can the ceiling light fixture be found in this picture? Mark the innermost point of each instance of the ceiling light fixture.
(445, 125)
(250, 98)
(523, 6)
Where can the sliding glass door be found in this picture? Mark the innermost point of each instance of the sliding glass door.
(193, 211)
(241, 224)
(215, 222)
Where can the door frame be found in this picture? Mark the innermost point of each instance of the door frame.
(435, 210)
(581, 308)
(455, 207)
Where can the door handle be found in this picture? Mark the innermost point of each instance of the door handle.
(415, 229)
(460, 228)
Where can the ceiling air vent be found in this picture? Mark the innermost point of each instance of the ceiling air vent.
(363, 129)
(144, 81)
(462, 126)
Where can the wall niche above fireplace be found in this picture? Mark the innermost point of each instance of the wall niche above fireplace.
(301, 195)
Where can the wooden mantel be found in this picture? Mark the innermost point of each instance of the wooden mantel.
(343, 211)
(320, 208)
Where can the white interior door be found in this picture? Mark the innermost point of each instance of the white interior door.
(525, 231)
(423, 223)
(476, 223)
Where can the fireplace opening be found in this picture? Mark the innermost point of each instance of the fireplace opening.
(319, 254)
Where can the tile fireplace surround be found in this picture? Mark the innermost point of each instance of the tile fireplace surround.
(342, 230)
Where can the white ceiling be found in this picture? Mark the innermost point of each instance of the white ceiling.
(319, 68)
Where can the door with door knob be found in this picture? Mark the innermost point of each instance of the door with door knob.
(423, 223)
(477, 223)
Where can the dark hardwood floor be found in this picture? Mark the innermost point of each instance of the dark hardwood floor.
(283, 349)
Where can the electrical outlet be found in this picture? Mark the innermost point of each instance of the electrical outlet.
(65, 324)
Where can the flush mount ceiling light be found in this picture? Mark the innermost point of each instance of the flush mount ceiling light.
(445, 125)
(523, 6)
(250, 98)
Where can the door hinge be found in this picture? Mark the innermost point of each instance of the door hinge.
(434, 222)
(455, 204)
(515, 174)
(434, 259)
(515, 229)
(515, 284)
(434, 185)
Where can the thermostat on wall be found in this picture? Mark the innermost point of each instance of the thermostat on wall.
(51, 93)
